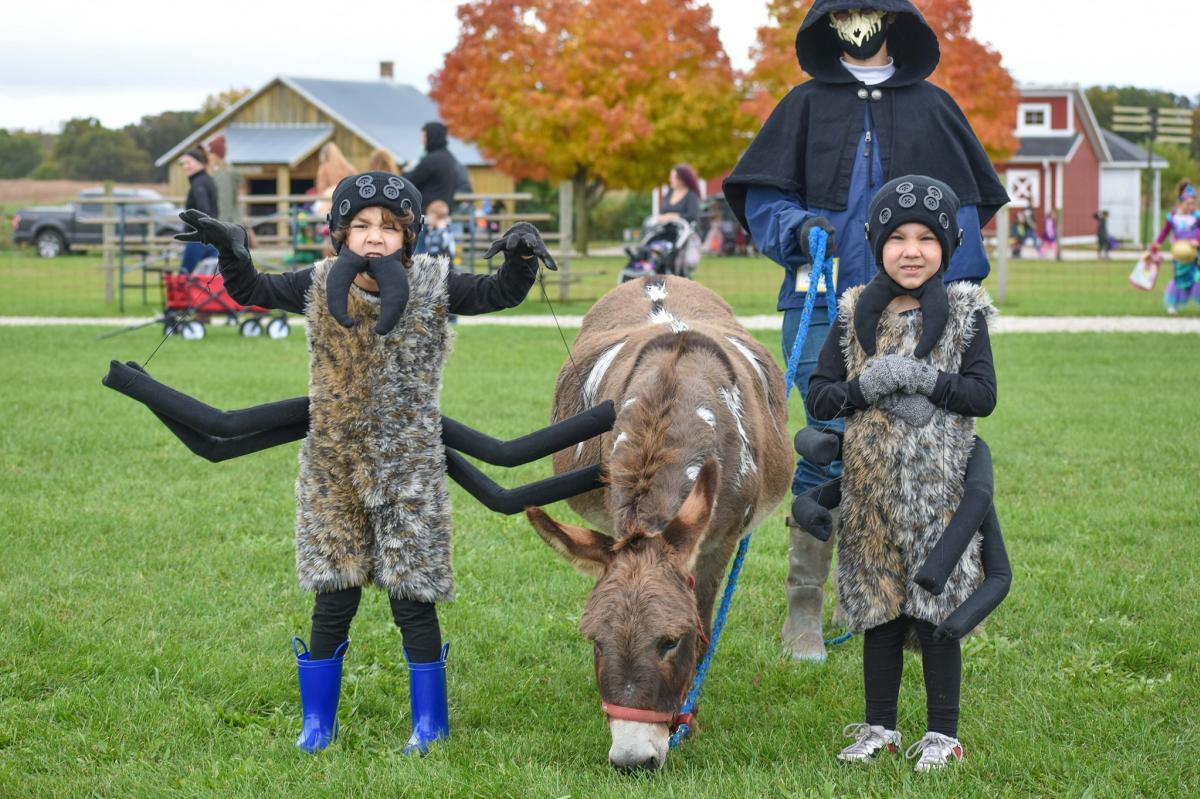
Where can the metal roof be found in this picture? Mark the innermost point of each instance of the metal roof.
(274, 144)
(1123, 150)
(1046, 146)
(385, 113)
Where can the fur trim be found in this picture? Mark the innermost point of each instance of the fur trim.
(902, 483)
(372, 501)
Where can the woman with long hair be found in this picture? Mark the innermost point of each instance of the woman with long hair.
(683, 202)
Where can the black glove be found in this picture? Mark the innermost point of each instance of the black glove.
(522, 240)
(816, 222)
(230, 240)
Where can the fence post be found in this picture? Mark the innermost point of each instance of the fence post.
(106, 235)
(566, 224)
(1002, 243)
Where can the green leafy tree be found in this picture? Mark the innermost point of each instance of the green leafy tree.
(20, 153)
(158, 133)
(86, 150)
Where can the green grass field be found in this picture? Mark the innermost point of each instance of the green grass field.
(74, 286)
(147, 599)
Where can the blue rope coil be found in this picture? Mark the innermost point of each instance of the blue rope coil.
(822, 267)
(693, 695)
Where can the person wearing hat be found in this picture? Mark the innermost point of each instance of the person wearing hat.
(227, 179)
(1183, 225)
(372, 503)
(867, 114)
(908, 365)
(202, 197)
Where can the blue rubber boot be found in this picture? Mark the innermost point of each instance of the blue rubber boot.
(428, 702)
(320, 689)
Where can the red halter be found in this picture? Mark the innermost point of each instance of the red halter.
(643, 716)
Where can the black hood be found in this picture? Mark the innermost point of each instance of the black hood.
(911, 43)
(435, 136)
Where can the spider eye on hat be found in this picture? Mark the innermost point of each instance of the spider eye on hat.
(370, 189)
(914, 198)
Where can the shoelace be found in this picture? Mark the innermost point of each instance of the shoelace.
(942, 746)
(862, 732)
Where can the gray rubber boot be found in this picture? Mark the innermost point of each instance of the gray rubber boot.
(808, 568)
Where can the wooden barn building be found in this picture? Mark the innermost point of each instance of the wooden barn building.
(1067, 163)
(273, 135)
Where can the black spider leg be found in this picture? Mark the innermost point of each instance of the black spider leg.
(968, 517)
(263, 426)
(990, 593)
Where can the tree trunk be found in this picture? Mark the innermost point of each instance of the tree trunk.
(580, 182)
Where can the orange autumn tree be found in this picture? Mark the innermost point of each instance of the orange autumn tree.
(969, 70)
(604, 93)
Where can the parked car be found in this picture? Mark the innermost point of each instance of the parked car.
(54, 230)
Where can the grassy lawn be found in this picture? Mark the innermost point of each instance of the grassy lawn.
(147, 599)
(74, 286)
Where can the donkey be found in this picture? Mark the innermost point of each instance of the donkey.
(699, 455)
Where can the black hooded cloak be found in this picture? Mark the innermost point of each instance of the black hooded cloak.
(808, 144)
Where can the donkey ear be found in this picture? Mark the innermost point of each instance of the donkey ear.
(588, 550)
(690, 523)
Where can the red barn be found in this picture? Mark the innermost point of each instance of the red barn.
(1067, 163)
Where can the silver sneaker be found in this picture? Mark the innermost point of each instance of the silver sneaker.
(936, 751)
(869, 741)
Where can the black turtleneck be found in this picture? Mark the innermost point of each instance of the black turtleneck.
(202, 194)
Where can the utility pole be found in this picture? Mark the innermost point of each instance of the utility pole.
(1156, 125)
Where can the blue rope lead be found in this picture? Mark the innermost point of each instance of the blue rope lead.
(689, 702)
(821, 267)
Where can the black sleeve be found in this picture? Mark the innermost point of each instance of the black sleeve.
(206, 196)
(477, 294)
(420, 173)
(691, 208)
(830, 395)
(971, 392)
(286, 291)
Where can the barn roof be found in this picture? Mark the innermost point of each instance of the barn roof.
(274, 144)
(1052, 147)
(1125, 151)
(383, 113)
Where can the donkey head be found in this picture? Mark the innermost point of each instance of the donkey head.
(642, 618)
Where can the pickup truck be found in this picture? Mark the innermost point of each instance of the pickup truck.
(54, 230)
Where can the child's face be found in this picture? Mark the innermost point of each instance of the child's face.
(912, 255)
(371, 237)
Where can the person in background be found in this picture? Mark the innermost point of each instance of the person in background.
(201, 196)
(437, 174)
(439, 239)
(683, 202)
(332, 168)
(381, 160)
(1103, 242)
(1183, 225)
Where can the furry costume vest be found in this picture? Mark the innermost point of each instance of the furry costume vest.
(901, 483)
(372, 501)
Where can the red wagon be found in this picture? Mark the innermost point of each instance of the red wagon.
(205, 296)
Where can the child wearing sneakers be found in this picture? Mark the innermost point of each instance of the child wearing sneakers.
(908, 364)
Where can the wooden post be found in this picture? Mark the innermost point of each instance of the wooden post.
(283, 187)
(1002, 244)
(107, 236)
(566, 224)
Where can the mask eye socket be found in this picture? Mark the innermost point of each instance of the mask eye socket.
(667, 647)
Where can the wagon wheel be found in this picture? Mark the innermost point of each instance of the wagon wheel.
(192, 331)
(278, 328)
(251, 328)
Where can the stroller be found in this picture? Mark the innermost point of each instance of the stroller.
(670, 248)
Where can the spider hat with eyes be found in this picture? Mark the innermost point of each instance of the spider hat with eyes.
(372, 501)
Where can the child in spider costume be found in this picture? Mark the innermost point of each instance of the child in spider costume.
(372, 504)
(1183, 225)
(909, 366)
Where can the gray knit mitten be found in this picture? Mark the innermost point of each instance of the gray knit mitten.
(912, 408)
(912, 376)
(878, 380)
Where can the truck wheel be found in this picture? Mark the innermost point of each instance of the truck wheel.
(50, 244)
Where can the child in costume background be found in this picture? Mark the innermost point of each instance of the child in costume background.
(1183, 225)
(439, 238)
(910, 430)
(372, 502)
(868, 113)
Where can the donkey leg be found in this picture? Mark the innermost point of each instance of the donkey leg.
(808, 568)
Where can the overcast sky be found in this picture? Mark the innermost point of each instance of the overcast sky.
(121, 59)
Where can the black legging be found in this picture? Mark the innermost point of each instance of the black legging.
(883, 663)
(334, 610)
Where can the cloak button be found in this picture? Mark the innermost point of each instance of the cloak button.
(876, 94)
(862, 94)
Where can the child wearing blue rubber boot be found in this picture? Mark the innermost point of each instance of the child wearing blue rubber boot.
(372, 501)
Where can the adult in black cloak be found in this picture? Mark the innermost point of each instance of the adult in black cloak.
(868, 114)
